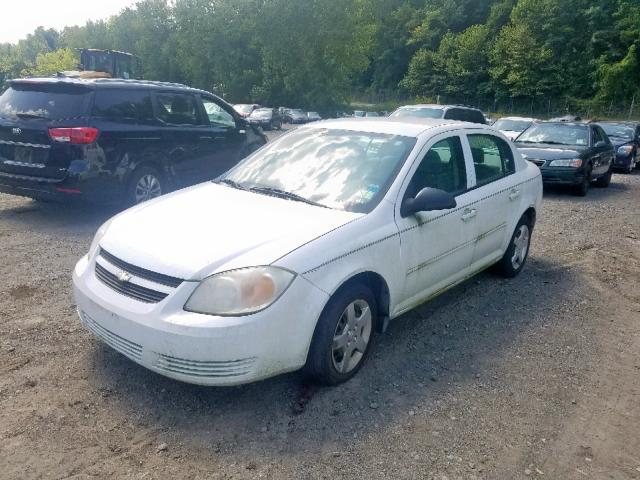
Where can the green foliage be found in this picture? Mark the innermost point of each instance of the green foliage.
(317, 53)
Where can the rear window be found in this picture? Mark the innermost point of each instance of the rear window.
(48, 101)
(120, 104)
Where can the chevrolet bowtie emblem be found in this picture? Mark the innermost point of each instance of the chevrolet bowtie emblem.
(123, 277)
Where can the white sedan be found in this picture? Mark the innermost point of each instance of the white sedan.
(303, 252)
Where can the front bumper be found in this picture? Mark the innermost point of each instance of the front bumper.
(196, 348)
(561, 176)
(623, 161)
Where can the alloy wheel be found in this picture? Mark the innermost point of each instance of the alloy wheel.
(521, 246)
(352, 336)
(148, 187)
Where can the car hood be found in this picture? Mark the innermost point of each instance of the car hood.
(548, 152)
(510, 134)
(617, 142)
(195, 232)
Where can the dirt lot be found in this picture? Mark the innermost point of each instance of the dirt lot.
(496, 379)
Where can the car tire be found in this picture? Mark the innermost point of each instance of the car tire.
(343, 337)
(582, 189)
(146, 183)
(515, 257)
(605, 180)
(632, 165)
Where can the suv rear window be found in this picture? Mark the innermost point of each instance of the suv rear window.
(120, 104)
(49, 101)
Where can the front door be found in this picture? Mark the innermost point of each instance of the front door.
(437, 247)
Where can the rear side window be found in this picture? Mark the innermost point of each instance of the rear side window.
(454, 114)
(121, 104)
(492, 158)
(48, 101)
(178, 109)
(476, 116)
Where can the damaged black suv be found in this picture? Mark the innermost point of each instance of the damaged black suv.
(115, 141)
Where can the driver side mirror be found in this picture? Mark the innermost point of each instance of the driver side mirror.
(428, 200)
(600, 144)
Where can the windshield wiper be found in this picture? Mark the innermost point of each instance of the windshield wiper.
(276, 192)
(29, 115)
(232, 184)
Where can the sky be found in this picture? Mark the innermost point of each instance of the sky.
(20, 17)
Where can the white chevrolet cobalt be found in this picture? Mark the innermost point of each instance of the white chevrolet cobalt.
(305, 250)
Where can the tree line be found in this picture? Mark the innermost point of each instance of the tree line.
(317, 53)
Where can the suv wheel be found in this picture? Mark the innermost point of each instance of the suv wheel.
(343, 337)
(146, 184)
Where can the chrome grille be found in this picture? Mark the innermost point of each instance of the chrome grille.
(539, 163)
(202, 369)
(129, 289)
(122, 345)
(141, 272)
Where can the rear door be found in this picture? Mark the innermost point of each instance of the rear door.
(27, 111)
(224, 142)
(182, 131)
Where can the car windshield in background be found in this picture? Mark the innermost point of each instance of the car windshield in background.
(556, 134)
(512, 125)
(243, 108)
(618, 130)
(340, 169)
(50, 102)
(419, 112)
(262, 113)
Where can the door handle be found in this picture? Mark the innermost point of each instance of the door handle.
(469, 214)
(514, 195)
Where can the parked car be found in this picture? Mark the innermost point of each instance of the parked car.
(245, 109)
(359, 113)
(511, 127)
(297, 116)
(113, 140)
(566, 118)
(625, 137)
(313, 117)
(372, 114)
(572, 154)
(267, 118)
(304, 265)
(450, 112)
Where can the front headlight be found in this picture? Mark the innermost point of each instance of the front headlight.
(98, 236)
(239, 292)
(625, 150)
(574, 162)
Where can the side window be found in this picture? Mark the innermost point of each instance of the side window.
(476, 116)
(596, 135)
(492, 158)
(443, 167)
(453, 114)
(177, 108)
(216, 114)
(603, 135)
(122, 105)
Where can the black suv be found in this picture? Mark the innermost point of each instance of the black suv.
(108, 140)
(450, 112)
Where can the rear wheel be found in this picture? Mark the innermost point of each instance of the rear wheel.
(146, 184)
(343, 337)
(517, 252)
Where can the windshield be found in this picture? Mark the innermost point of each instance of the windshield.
(618, 130)
(512, 125)
(553, 133)
(243, 108)
(420, 112)
(340, 169)
(262, 112)
(49, 101)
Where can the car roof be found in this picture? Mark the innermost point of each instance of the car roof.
(404, 126)
(571, 124)
(434, 105)
(527, 119)
(96, 83)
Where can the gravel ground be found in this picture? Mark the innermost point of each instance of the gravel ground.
(495, 379)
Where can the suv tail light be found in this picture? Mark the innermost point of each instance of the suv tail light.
(76, 135)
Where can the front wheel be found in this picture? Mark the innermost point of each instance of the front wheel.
(517, 252)
(605, 180)
(145, 184)
(582, 189)
(343, 337)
